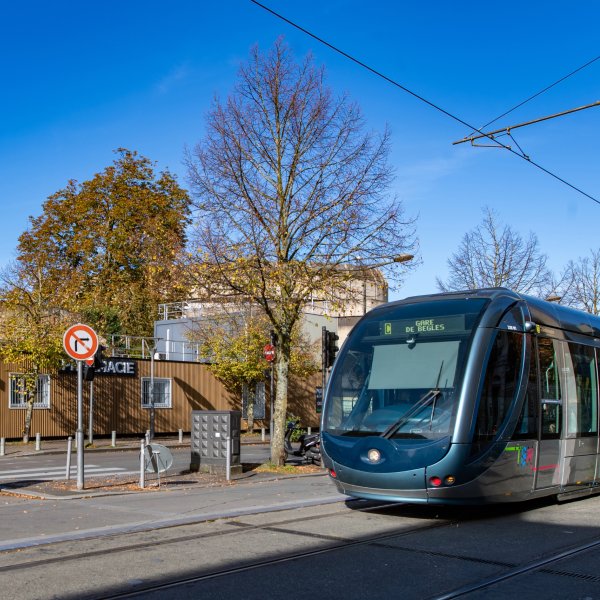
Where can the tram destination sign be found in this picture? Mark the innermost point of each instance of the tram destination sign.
(424, 325)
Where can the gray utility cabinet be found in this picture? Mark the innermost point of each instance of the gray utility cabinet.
(210, 430)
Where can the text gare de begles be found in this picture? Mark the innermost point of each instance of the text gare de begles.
(425, 325)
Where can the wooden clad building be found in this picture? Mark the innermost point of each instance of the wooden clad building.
(121, 399)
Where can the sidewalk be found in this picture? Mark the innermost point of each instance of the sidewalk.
(31, 522)
(42, 512)
(175, 480)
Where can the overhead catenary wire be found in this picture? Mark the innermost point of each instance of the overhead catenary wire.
(507, 130)
(422, 99)
(533, 96)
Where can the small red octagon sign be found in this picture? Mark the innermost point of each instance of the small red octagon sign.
(80, 342)
(269, 352)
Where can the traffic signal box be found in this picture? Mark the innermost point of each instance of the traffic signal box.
(89, 371)
(330, 348)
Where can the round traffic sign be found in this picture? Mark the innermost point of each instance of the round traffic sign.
(80, 342)
(157, 458)
(269, 352)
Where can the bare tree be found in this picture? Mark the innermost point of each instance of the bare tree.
(496, 256)
(289, 192)
(583, 283)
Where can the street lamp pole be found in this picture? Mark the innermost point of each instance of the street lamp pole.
(401, 258)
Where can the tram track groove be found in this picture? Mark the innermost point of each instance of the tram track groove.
(378, 540)
(236, 528)
(536, 565)
(336, 543)
(182, 581)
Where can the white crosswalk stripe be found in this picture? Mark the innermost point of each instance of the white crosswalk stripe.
(54, 473)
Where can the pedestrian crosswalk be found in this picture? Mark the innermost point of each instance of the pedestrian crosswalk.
(56, 473)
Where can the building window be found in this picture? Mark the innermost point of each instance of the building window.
(162, 393)
(18, 392)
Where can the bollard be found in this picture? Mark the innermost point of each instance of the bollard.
(69, 447)
(262, 434)
(142, 463)
(147, 437)
(228, 459)
(113, 442)
(308, 430)
(38, 442)
(2, 446)
(181, 436)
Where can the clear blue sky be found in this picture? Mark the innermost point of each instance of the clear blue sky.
(81, 79)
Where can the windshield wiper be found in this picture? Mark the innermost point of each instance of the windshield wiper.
(422, 403)
(426, 399)
(437, 387)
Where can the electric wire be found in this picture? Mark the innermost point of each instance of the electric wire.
(421, 98)
(548, 87)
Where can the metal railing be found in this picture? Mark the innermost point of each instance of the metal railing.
(128, 346)
(180, 310)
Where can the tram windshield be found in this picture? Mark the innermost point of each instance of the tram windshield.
(399, 373)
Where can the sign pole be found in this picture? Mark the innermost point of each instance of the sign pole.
(152, 412)
(80, 343)
(272, 407)
(91, 416)
(79, 434)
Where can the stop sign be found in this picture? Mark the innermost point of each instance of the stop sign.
(269, 352)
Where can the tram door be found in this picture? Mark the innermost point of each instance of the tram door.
(547, 467)
(581, 415)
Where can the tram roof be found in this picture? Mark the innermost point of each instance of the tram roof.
(542, 312)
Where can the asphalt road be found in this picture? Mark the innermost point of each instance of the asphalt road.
(286, 537)
(97, 464)
(267, 548)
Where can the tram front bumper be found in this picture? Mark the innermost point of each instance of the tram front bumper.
(405, 486)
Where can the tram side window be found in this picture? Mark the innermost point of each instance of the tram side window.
(528, 421)
(500, 386)
(582, 401)
(551, 391)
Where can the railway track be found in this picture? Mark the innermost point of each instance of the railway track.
(542, 565)
(327, 542)
(236, 527)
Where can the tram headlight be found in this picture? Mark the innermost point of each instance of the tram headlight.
(373, 455)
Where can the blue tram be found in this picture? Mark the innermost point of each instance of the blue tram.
(471, 397)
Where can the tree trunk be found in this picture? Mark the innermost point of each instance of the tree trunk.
(282, 364)
(28, 416)
(31, 389)
(250, 408)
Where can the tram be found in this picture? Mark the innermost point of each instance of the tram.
(481, 396)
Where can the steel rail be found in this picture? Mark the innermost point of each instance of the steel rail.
(237, 527)
(183, 581)
(515, 572)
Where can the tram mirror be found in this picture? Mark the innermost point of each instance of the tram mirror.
(530, 327)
